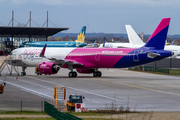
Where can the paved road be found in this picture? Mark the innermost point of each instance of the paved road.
(140, 91)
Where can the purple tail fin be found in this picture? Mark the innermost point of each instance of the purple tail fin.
(158, 38)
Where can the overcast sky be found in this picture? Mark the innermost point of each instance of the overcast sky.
(107, 16)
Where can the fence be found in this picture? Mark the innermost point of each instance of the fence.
(22, 105)
(165, 63)
(52, 111)
(151, 69)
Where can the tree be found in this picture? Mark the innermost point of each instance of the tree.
(58, 38)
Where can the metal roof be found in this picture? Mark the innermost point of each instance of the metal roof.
(29, 31)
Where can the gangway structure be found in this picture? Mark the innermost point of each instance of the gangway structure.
(4, 63)
(59, 98)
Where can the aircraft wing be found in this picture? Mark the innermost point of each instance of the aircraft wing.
(62, 62)
(59, 61)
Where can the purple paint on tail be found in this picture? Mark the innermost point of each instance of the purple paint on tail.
(163, 24)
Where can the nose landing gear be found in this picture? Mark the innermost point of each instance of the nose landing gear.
(23, 73)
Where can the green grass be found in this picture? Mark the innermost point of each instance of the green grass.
(171, 72)
(100, 119)
(94, 113)
(52, 119)
(23, 112)
(23, 118)
(174, 72)
(89, 114)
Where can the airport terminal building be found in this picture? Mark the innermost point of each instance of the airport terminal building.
(12, 36)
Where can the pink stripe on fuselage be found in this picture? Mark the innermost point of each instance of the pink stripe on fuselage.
(97, 57)
(163, 24)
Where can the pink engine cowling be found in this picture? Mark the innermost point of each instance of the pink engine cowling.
(85, 70)
(48, 68)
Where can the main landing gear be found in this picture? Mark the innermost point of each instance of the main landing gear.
(97, 74)
(23, 73)
(73, 74)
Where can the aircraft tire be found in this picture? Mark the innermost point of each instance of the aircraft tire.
(95, 74)
(99, 74)
(70, 74)
(74, 74)
(23, 73)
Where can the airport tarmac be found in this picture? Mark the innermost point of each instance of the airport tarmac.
(138, 90)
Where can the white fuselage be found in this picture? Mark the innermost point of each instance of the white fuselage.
(29, 56)
(120, 45)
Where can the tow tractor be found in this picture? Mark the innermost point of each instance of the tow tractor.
(75, 101)
(37, 71)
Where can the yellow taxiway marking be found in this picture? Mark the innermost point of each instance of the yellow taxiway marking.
(137, 86)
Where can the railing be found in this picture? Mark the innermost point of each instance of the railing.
(52, 111)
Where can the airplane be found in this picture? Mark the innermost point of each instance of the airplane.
(134, 38)
(89, 60)
(136, 42)
(79, 42)
(92, 45)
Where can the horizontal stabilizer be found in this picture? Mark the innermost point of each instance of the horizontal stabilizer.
(152, 55)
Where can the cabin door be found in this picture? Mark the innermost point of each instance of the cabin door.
(136, 55)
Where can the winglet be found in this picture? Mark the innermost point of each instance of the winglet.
(43, 51)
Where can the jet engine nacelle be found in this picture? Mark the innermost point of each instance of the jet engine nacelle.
(48, 68)
(85, 70)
